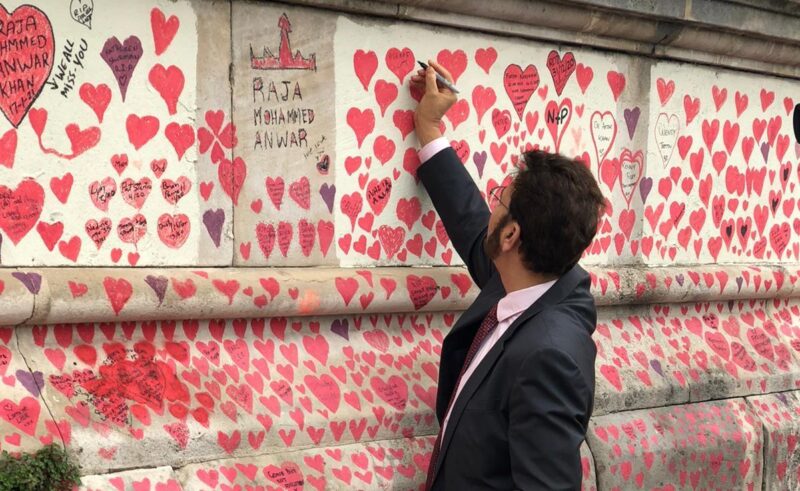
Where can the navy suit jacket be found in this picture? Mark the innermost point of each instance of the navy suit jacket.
(521, 417)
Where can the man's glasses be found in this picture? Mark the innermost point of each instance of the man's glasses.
(495, 197)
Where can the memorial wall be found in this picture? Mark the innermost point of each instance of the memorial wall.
(220, 271)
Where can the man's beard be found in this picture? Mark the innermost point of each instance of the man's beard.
(492, 241)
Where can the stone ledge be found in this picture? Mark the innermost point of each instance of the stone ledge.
(705, 445)
(705, 31)
(128, 392)
(66, 295)
(657, 355)
(780, 416)
(159, 479)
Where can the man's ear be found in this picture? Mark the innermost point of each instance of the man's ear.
(510, 236)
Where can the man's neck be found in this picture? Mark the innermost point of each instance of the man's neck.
(518, 277)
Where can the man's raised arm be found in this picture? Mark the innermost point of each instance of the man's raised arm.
(452, 190)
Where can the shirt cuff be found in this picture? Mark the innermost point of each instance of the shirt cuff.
(432, 149)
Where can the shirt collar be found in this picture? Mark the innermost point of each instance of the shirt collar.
(518, 301)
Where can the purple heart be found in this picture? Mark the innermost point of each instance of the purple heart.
(739, 281)
(645, 185)
(159, 285)
(213, 220)
(31, 381)
(480, 161)
(765, 150)
(656, 366)
(122, 59)
(32, 281)
(679, 279)
(782, 397)
(328, 193)
(632, 119)
(341, 327)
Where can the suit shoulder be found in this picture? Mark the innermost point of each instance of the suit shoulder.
(558, 328)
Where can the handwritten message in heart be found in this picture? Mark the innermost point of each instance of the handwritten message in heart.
(122, 58)
(27, 57)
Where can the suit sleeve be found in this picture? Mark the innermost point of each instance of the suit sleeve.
(462, 209)
(547, 422)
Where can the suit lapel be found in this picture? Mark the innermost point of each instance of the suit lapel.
(554, 295)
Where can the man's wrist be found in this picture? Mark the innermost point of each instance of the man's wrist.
(432, 148)
(427, 131)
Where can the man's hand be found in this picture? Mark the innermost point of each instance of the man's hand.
(434, 103)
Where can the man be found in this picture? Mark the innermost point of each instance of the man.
(516, 378)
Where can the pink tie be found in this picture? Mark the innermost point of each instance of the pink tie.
(488, 325)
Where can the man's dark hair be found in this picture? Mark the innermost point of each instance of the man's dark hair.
(557, 204)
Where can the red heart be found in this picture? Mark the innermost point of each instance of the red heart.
(50, 233)
(22, 208)
(77, 289)
(8, 148)
(383, 148)
(119, 162)
(82, 140)
(385, 94)
(584, 74)
(520, 85)
(378, 193)
(365, 64)
(485, 58)
(70, 249)
(691, 107)
(131, 230)
(482, 99)
(227, 288)
(265, 233)
(665, 89)
(400, 62)
(32, 24)
(561, 69)
(231, 177)
(325, 232)
(185, 289)
(616, 81)
(351, 205)
(118, 291)
(97, 98)
(141, 130)
(173, 230)
(454, 62)
(169, 83)
(347, 288)
(421, 290)
(404, 121)
(98, 231)
(25, 415)
(362, 123)
(164, 30)
(300, 192)
(181, 136)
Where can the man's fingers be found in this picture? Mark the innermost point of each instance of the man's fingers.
(430, 81)
(442, 70)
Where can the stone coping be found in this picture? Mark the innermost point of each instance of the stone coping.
(67, 295)
(713, 32)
